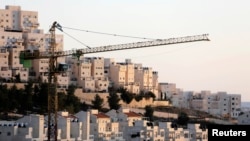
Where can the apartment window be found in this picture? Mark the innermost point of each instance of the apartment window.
(8, 134)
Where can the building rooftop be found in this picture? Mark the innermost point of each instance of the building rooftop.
(101, 115)
(132, 114)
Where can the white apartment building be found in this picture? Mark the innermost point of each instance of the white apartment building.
(121, 75)
(223, 104)
(19, 31)
(145, 130)
(28, 128)
(11, 45)
(96, 126)
(199, 101)
(34, 128)
(103, 128)
(5, 71)
(193, 132)
(166, 90)
(197, 132)
(218, 104)
(147, 79)
(88, 73)
(173, 133)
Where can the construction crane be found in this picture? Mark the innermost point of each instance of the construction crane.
(52, 55)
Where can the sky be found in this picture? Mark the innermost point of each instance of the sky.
(219, 65)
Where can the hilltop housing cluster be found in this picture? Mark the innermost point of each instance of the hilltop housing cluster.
(19, 31)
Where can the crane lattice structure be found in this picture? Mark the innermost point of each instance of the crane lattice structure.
(52, 55)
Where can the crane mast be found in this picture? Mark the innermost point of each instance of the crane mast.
(52, 55)
(52, 93)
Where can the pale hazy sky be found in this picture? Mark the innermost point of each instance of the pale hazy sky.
(223, 64)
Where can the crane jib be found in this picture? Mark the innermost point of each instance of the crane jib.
(28, 55)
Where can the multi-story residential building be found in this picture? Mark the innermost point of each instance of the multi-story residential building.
(19, 31)
(235, 105)
(11, 45)
(5, 71)
(147, 79)
(197, 132)
(166, 90)
(121, 75)
(93, 125)
(172, 132)
(219, 104)
(34, 127)
(117, 74)
(145, 130)
(103, 128)
(193, 132)
(198, 101)
(88, 73)
(27, 128)
(223, 104)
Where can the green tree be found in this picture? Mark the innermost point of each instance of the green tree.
(182, 118)
(113, 100)
(72, 102)
(3, 98)
(138, 97)
(41, 97)
(149, 94)
(84, 106)
(97, 103)
(27, 97)
(125, 95)
(14, 98)
(149, 112)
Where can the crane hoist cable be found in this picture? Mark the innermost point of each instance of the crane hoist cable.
(76, 39)
(110, 34)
